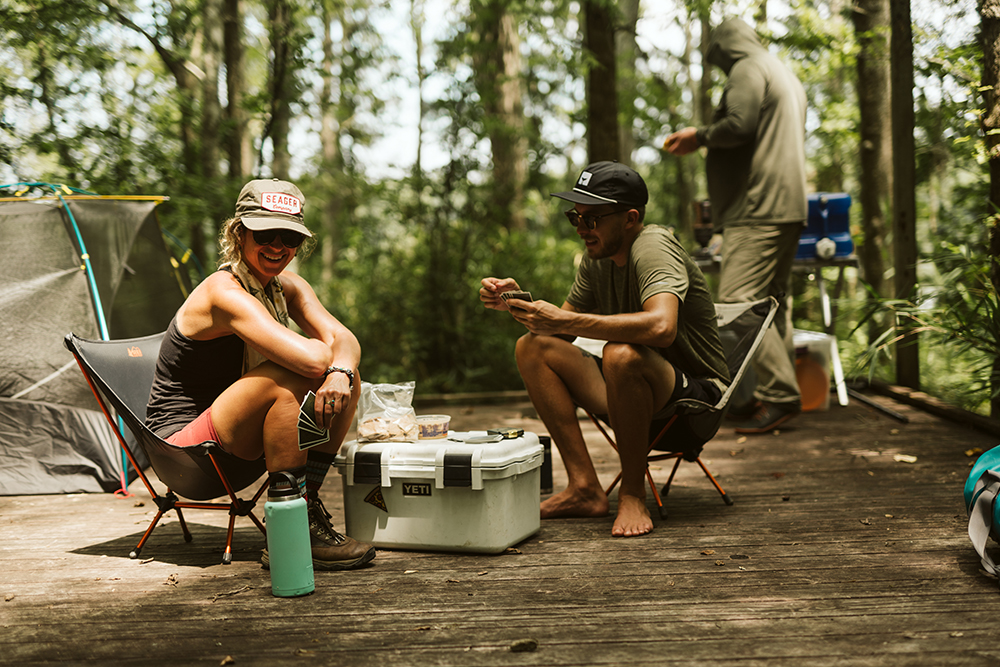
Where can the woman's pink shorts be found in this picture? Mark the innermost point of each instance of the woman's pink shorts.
(199, 431)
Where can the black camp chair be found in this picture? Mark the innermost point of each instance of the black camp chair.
(741, 327)
(120, 372)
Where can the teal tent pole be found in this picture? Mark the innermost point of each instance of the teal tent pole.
(89, 269)
(91, 281)
(101, 322)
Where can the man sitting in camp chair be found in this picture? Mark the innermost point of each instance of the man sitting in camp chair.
(637, 289)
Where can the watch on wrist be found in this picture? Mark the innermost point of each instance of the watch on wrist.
(346, 371)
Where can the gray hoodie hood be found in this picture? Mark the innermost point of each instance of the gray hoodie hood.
(732, 40)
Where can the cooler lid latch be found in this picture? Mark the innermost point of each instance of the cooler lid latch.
(457, 470)
(367, 467)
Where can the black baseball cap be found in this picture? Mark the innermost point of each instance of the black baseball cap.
(607, 182)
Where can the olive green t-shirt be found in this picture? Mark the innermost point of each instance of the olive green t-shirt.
(657, 264)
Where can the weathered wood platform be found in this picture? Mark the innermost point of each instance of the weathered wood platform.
(834, 553)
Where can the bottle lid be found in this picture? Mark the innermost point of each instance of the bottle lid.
(291, 491)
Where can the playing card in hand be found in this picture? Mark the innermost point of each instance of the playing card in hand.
(515, 295)
(310, 434)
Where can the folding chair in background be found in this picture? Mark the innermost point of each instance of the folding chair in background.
(120, 372)
(741, 327)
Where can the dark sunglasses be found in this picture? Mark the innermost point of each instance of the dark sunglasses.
(589, 221)
(289, 239)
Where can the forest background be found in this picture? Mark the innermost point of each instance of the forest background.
(428, 134)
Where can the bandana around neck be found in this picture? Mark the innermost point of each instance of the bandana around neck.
(272, 296)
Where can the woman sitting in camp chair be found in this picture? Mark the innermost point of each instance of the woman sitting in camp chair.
(231, 371)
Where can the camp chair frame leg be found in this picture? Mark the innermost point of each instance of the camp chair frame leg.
(184, 527)
(145, 536)
(673, 471)
(658, 496)
(118, 434)
(725, 496)
(649, 476)
(718, 487)
(238, 507)
(227, 555)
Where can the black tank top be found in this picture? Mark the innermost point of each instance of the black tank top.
(190, 375)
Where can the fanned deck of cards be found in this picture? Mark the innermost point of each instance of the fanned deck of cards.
(310, 434)
(514, 294)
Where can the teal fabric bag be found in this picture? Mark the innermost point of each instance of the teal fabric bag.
(981, 490)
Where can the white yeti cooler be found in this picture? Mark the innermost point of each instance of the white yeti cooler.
(456, 494)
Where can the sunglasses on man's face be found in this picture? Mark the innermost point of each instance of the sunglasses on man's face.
(589, 221)
(289, 239)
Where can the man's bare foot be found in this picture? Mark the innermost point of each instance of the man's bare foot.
(575, 503)
(633, 518)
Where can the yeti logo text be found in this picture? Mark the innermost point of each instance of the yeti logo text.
(282, 203)
(416, 489)
(585, 179)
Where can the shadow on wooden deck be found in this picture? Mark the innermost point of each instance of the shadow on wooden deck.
(834, 553)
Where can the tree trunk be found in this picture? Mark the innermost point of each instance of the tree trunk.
(904, 185)
(211, 108)
(510, 162)
(417, 26)
(626, 49)
(499, 81)
(831, 179)
(687, 179)
(47, 95)
(871, 27)
(332, 165)
(183, 72)
(602, 85)
(705, 93)
(989, 17)
(237, 136)
(282, 84)
(760, 16)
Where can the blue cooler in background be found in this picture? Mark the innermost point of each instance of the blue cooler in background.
(828, 231)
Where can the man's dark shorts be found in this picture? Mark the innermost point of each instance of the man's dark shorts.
(680, 437)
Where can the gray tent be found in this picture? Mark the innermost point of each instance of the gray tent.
(96, 266)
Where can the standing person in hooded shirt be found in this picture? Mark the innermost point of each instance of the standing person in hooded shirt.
(756, 170)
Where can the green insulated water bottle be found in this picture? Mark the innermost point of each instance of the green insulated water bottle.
(288, 550)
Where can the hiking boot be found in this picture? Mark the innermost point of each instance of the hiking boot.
(743, 412)
(331, 550)
(768, 417)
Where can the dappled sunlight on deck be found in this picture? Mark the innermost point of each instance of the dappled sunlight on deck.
(846, 545)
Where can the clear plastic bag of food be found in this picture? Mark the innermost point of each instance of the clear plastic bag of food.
(385, 412)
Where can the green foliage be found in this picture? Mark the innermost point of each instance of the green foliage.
(821, 49)
(87, 100)
(408, 284)
(957, 317)
(56, 96)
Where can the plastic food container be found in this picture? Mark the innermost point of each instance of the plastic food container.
(433, 426)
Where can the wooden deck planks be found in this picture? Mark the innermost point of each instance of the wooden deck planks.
(835, 553)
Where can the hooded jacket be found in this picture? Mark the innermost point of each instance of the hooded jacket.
(756, 164)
